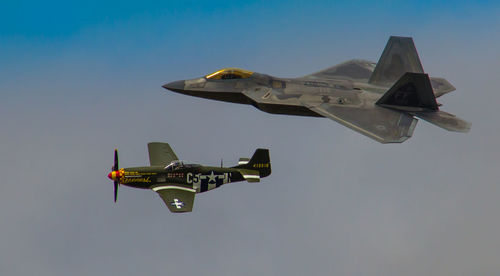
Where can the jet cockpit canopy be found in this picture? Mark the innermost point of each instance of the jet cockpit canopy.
(229, 73)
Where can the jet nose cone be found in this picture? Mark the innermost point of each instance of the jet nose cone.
(175, 85)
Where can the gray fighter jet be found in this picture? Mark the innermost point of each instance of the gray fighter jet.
(379, 100)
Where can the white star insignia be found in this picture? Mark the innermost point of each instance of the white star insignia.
(212, 177)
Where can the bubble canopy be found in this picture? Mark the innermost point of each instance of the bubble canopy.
(229, 73)
(179, 164)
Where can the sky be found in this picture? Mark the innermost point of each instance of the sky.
(78, 79)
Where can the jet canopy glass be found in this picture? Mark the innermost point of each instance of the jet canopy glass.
(230, 73)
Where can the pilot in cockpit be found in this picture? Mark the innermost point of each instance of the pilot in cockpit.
(174, 165)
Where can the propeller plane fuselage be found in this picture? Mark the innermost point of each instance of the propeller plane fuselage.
(200, 178)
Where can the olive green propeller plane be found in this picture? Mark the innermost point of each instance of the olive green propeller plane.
(177, 182)
(379, 100)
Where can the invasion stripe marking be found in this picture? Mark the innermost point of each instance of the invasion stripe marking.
(156, 189)
(204, 187)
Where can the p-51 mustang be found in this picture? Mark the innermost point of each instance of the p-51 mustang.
(177, 182)
(379, 100)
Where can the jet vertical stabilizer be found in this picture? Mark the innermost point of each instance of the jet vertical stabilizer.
(412, 92)
(399, 56)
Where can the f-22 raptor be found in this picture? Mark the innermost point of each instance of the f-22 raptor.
(379, 100)
(177, 182)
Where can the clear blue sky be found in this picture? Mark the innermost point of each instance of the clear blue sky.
(40, 24)
(78, 79)
(62, 19)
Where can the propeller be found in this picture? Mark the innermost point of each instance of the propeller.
(116, 168)
(221, 162)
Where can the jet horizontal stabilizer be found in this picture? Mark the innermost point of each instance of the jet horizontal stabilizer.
(413, 93)
(441, 86)
(444, 120)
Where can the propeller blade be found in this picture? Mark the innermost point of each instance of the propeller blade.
(115, 165)
(116, 190)
(221, 162)
(116, 168)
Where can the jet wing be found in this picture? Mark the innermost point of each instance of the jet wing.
(354, 69)
(378, 123)
(178, 199)
(160, 154)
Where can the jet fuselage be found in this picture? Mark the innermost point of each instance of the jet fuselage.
(287, 94)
